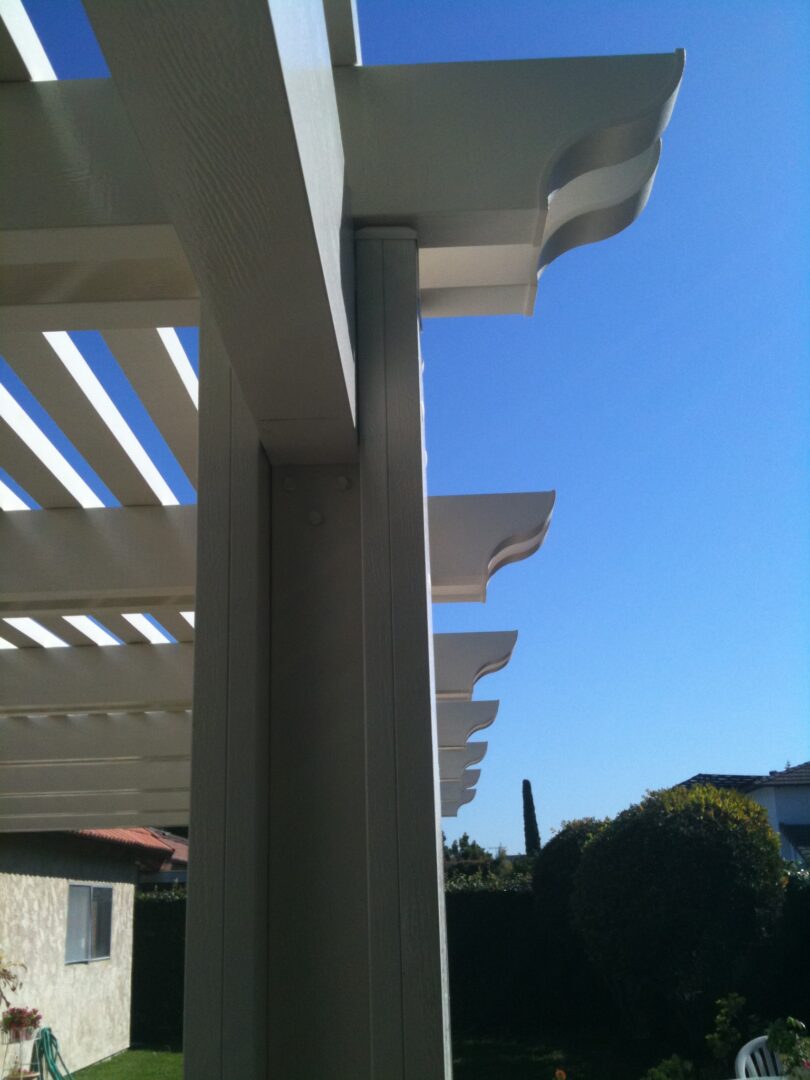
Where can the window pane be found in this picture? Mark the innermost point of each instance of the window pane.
(101, 922)
(78, 924)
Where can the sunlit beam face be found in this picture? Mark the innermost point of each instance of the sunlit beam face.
(92, 629)
(37, 632)
(150, 628)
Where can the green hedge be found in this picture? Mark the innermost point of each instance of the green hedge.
(158, 960)
(491, 948)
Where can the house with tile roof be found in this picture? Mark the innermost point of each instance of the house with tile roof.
(66, 914)
(785, 795)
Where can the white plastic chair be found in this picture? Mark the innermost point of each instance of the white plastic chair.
(757, 1059)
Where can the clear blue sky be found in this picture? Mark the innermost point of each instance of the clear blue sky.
(662, 388)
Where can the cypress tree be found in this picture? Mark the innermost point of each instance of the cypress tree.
(530, 830)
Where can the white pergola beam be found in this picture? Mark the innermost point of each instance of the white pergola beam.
(452, 763)
(460, 660)
(75, 560)
(473, 536)
(78, 560)
(92, 679)
(252, 177)
(454, 797)
(49, 740)
(134, 677)
(457, 720)
(69, 777)
(86, 242)
(565, 153)
(83, 810)
(473, 155)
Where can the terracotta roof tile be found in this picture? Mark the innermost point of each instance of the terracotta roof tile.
(142, 838)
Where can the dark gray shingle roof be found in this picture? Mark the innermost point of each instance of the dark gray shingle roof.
(736, 781)
(796, 774)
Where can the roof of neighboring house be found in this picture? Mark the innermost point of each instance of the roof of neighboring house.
(141, 838)
(736, 781)
(794, 774)
(799, 837)
(178, 846)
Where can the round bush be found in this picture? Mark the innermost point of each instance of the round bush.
(555, 868)
(674, 893)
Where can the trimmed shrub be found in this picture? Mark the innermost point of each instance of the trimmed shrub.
(568, 982)
(671, 898)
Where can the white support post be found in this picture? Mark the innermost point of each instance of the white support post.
(333, 784)
(408, 965)
(226, 959)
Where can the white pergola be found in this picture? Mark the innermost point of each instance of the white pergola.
(244, 172)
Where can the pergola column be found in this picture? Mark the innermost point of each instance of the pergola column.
(408, 963)
(316, 919)
(226, 947)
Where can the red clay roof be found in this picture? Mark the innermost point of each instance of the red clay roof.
(142, 838)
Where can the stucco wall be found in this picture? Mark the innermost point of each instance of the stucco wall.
(785, 803)
(86, 1004)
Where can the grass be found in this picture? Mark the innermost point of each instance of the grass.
(473, 1059)
(136, 1065)
(486, 1059)
(515, 1058)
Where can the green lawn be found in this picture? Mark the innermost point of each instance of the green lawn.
(473, 1059)
(136, 1065)
(504, 1059)
(531, 1059)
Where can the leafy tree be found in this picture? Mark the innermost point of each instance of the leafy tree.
(464, 850)
(672, 895)
(530, 830)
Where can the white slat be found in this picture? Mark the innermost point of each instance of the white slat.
(147, 365)
(99, 736)
(58, 393)
(30, 473)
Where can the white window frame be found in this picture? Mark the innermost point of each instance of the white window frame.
(91, 885)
